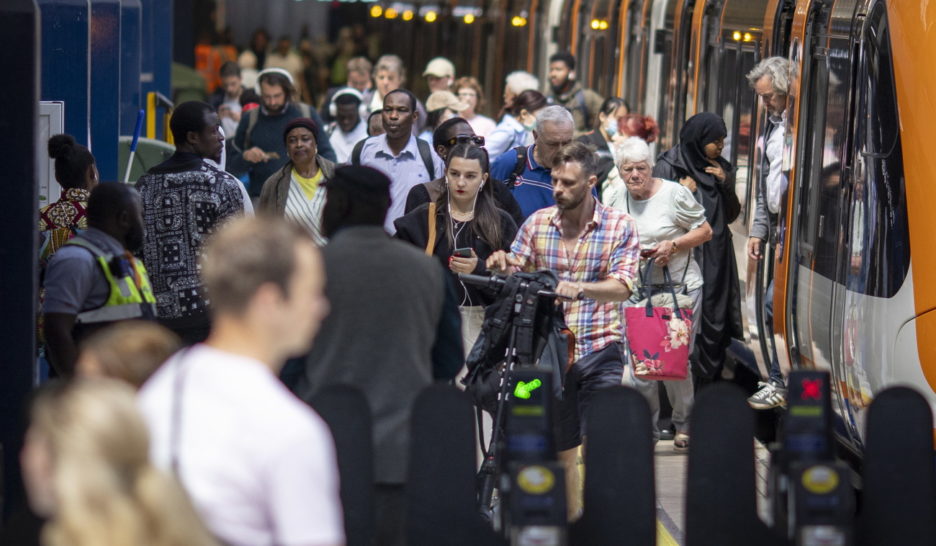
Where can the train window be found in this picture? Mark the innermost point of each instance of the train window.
(822, 201)
(879, 234)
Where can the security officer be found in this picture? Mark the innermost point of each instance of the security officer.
(94, 280)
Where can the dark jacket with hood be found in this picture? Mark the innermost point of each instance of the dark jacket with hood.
(721, 294)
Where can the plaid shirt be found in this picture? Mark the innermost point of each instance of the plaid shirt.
(609, 248)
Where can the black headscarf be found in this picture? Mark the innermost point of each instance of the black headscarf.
(699, 130)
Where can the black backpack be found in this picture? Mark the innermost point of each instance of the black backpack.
(425, 152)
(542, 338)
(519, 167)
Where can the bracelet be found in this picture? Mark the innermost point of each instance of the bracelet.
(675, 247)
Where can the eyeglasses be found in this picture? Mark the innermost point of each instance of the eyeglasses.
(462, 139)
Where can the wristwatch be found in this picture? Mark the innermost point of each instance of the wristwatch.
(675, 247)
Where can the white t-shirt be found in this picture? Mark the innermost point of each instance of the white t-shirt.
(258, 463)
(671, 212)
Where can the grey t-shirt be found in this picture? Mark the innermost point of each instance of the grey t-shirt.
(74, 281)
(671, 212)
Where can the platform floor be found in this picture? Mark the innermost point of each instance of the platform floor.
(670, 470)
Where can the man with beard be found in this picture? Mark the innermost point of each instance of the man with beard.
(594, 251)
(406, 160)
(184, 199)
(94, 280)
(258, 148)
(583, 103)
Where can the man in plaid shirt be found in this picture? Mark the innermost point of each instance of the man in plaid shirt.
(594, 250)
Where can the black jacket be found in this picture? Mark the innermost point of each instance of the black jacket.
(414, 228)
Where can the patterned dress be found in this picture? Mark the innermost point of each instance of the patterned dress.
(58, 221)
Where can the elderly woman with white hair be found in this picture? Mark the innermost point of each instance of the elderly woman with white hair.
(670, 223)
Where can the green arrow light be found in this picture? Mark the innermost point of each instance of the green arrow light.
(523, 390)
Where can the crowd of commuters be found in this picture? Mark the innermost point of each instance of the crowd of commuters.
(229, 324)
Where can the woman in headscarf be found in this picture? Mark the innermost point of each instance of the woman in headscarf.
(696, 163)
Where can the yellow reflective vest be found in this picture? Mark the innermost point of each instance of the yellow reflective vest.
(131, 295)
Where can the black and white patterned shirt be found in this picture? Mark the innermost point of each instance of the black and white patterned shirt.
(184, 200)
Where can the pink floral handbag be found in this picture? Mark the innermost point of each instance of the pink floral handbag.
(658, 337)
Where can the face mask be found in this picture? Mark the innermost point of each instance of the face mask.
(529, 127)
(611, 128)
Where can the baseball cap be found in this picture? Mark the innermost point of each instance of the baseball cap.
(440, 67)
(444, 99)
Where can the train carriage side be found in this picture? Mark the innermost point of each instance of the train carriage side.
(845, 281)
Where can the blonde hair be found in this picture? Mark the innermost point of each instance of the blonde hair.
(131, 350)
(107, 491)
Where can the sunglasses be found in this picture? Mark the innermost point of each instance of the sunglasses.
(462, 139)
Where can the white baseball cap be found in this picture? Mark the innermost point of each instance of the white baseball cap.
(440, 67)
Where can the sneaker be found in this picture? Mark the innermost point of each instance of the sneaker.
(681, 442)
(768, 396)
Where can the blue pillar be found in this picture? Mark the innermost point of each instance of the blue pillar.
(19, 121)
(156, 65)
(105, 85)
(66, 63)
(131, 100)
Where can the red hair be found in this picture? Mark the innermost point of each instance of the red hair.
(638, 125)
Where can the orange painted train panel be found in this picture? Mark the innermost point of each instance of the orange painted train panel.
(913, 39)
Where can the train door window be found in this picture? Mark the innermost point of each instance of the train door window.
(709, 93)
(879, 246)
(683, 67)
(820, 219)
(635, 49)
(663, 46)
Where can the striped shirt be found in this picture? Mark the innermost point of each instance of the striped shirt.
(304, 204)
(609, 248)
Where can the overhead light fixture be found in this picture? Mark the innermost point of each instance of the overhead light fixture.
(376, 11)
(431, 16)
(390, 13)
(736, 35)
(518, 21)
(469, 18)
(408, 15)
(748, 37)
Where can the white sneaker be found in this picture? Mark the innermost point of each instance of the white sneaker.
(768, 396)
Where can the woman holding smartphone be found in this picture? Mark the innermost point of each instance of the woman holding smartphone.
(467, 226)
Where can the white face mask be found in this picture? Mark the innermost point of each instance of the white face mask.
(611, 127)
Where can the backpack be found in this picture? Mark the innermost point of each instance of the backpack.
(519, 167)
(580, 104)
(542, 339)
(425, 152)
(254, 115)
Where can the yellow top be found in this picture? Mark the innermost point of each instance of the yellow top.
(308, 185)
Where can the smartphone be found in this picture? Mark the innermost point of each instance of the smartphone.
(462, 252)
(646, 253)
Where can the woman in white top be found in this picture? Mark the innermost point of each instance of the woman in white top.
(670, 223)
(516, 126)
(297, 191)
(468, 91)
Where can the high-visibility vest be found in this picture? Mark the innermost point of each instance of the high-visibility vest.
(131, 295)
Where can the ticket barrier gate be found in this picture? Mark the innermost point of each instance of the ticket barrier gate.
(812, 494)
(619, 481)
